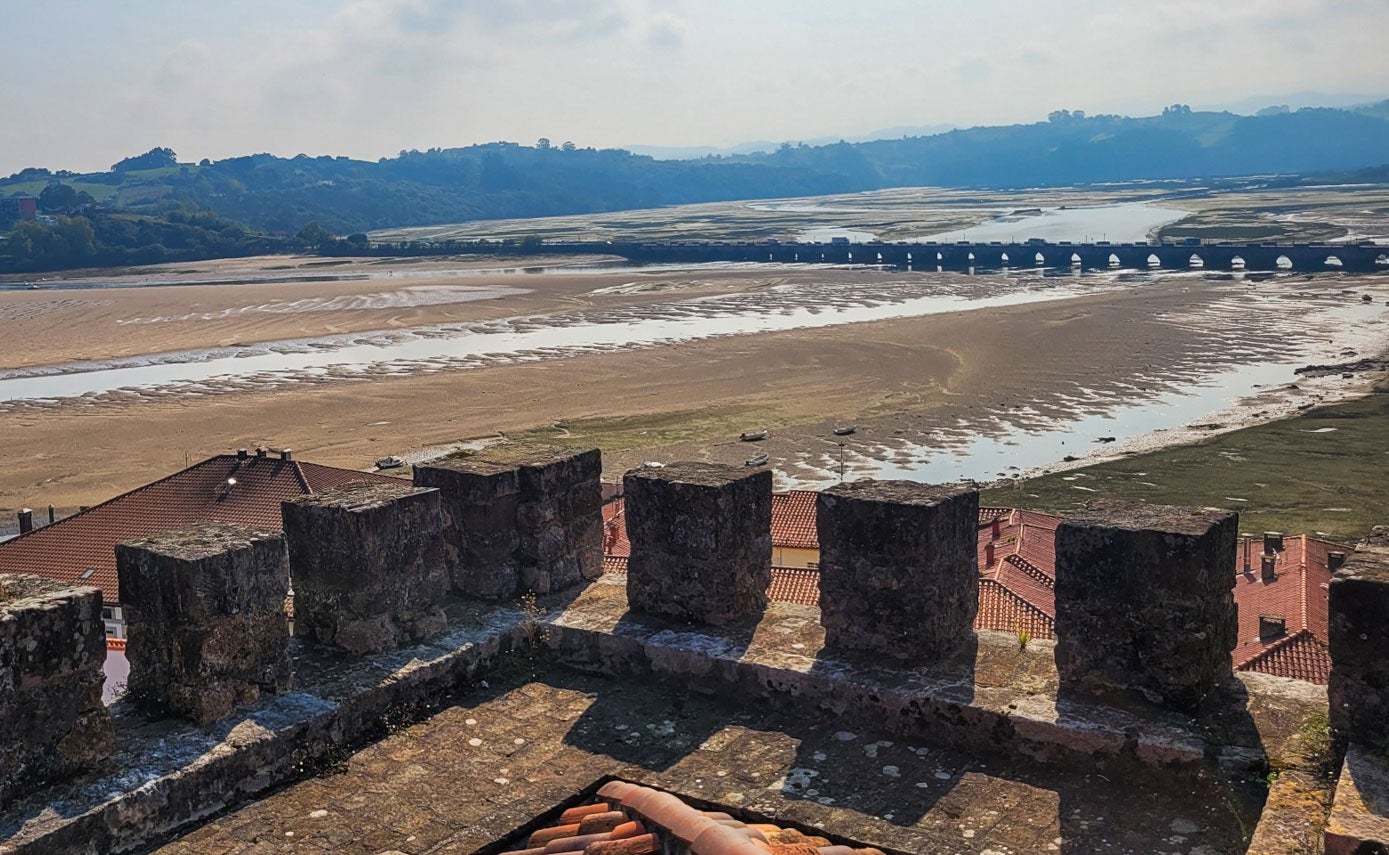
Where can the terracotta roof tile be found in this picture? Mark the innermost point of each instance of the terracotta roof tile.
(615, 542)
(1299, 656)
(81, 548)
(793, 523)
(793, 520)
(657, 821)
(795, 585)
(1003, 610)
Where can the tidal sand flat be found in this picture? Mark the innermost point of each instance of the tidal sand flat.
(923, 362)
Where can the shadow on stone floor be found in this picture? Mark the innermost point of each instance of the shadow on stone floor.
(1210, 811)
(608, 726)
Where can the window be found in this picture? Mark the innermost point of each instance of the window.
(1271, 626)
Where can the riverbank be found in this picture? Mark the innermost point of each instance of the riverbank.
(1321, 471)
(926, 385)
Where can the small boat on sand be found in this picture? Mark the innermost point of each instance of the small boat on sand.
(391, 462)
(752, 436)
(845, 430)
(757, 460)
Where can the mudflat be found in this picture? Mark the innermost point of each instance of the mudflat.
(908, 382)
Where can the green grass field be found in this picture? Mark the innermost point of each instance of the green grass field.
(100, 192)
(1322, 471)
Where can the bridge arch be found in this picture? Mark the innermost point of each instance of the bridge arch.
(1075, 259)
(1333, 261)
(1154, 261)
(1041, 259)
(1382, 259)
(1237, 263)
(1283, 263)
(1114, 260)
(1196, 261)
(1004, 258)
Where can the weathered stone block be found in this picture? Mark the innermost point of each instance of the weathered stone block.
(1145, 600)
(701, 538)
(1359, 820)
(899, 573)
(368, 567)
(206, 619)
(52, 646)
(520, 520)
(1358, 689)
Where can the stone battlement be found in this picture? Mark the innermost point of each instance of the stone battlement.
(396, 591)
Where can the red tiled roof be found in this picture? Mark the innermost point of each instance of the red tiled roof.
(795, 585)
(81, 548)
(1003, 610)
(631, 819)
(793, 523)
(1017, 586)
(793, 520)
(1297, 594)
(1299, 656)
(615, 542)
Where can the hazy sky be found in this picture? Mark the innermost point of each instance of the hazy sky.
(89, 81)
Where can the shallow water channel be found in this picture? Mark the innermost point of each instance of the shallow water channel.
(512, 339)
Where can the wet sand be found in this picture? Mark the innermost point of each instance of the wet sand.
(903, 381)
(95, 315)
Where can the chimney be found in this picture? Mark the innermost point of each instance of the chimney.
(242, 454)
(1248, 544)
(989, 555)
(997, 528)
(26, 520)
(52, 517)
(286, 454)
(1334, 561)
(262, 451)
(1273, 542)
(1269, 571)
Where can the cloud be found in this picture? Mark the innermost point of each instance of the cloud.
(369, 77)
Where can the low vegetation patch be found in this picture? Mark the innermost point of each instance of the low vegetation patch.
(1293, 475)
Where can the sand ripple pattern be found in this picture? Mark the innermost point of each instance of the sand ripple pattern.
(404, 298)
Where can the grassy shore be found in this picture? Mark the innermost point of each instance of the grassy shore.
(1322, 471)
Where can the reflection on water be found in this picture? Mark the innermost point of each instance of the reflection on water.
(1016, 449)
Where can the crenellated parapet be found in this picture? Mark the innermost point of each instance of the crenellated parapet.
(1145, 600)
(52, 645)
(207, 629)
(701, 541)
(899, 573)
(367, 563)
(520, 522)
(401, 591)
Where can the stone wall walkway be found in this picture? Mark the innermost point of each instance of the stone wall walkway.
(476, 771)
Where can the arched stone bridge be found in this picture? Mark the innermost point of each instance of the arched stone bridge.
(1360, 258)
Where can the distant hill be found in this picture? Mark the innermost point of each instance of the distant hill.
(764, 146)
(282, 195)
